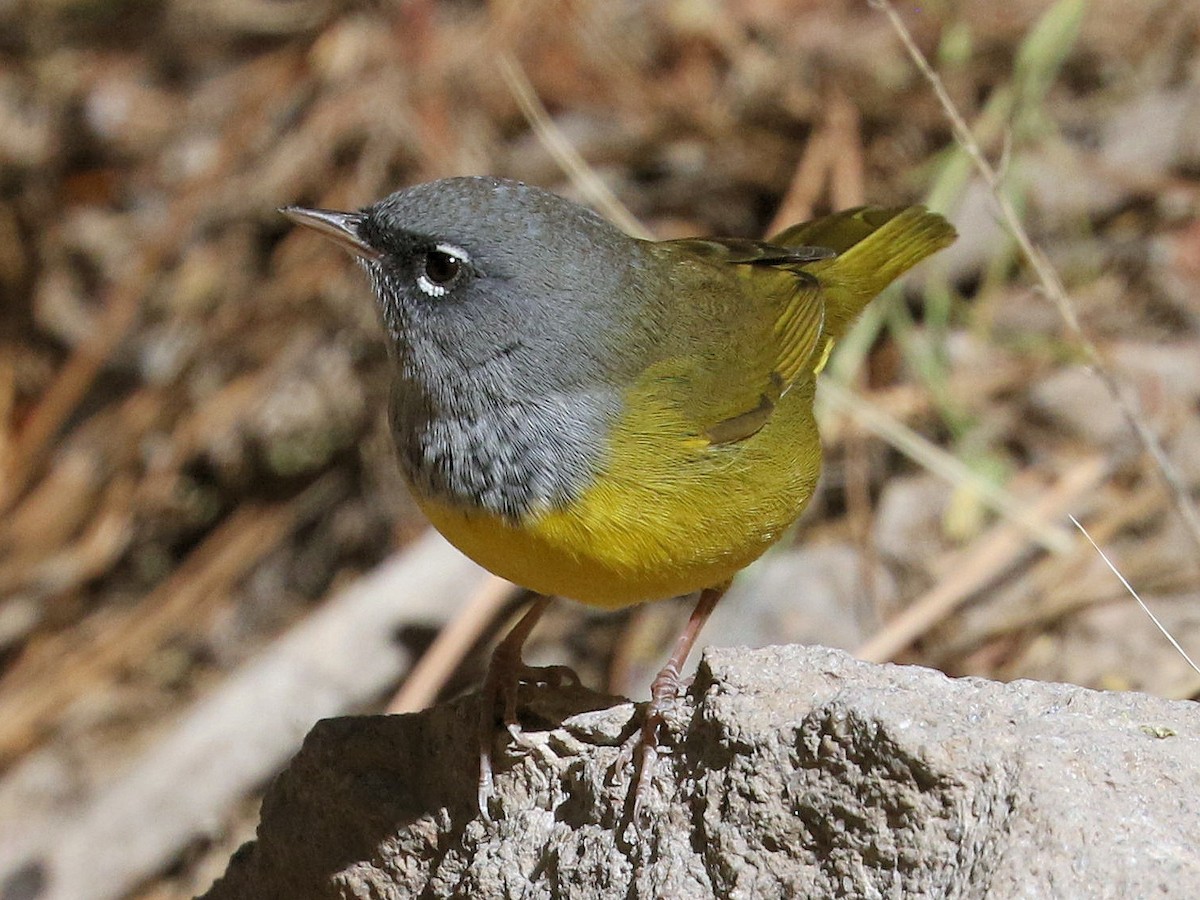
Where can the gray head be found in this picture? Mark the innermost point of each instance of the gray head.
(498, 299)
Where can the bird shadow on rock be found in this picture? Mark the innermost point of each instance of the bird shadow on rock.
(359, 781)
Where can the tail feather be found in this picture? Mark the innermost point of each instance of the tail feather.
(874, 247)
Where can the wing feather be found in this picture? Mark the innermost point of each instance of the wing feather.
(769, 337)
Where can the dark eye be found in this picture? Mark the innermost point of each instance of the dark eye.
(442, 268)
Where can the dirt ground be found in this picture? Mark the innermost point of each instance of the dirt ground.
(193, 447)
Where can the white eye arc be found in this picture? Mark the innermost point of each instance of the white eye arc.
(443, 267)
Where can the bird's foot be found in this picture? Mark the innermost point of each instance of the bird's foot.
(643, 748)
(501, 688)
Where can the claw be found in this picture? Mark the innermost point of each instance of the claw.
(507, 672)
(665, 692)
(486, 784)
(501, 687)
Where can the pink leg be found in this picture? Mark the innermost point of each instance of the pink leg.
(665, 692)
(504, 677)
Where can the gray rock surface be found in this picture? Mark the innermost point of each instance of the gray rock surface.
(793, 772)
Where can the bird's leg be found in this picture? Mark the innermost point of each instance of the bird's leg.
(505, 674)
(665, 691)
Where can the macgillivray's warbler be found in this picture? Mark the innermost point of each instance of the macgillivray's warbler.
(604, 418)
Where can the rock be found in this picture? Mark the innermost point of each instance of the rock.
(908, 524)
(1076, 402)
(1115, 645)
(791, 772)
(1163, 381)
(809, 594)
(1152, 134)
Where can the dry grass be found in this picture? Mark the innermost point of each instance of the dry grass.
(191, 442)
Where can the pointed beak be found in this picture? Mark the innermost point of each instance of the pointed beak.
(341, 227)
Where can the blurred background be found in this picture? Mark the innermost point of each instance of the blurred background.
(202, 529)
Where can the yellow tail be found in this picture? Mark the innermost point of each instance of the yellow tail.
(874, 247)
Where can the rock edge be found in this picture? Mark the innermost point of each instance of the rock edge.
(792, 772)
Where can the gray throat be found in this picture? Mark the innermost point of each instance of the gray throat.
(512, 458)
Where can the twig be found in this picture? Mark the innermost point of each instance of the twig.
(37, 692)
(802, 194)
(980, 564)
(1050, 577)
(943, 464)
(848, 169)
(1146, 609)
(1048, 277)
(8, 390)
(568, 158)
(65, 567)
(847, 190)
(453, 642)
(33, 441)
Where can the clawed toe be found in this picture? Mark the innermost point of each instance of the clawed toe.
(665, 692)
(500, 689)
(508, 672)
(641, 751)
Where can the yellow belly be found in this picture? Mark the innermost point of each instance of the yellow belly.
(545, 556)
(668, 515)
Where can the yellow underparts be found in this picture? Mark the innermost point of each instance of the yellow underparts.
(669, 514)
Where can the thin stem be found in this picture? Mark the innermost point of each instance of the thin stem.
(1048, 277)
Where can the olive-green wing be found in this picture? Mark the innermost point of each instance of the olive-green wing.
(839, 231)
(751, 318)
(776, 291)
(743, 251)
(751, 326)
(873, 247)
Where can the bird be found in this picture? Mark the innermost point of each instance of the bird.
(605, 418)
